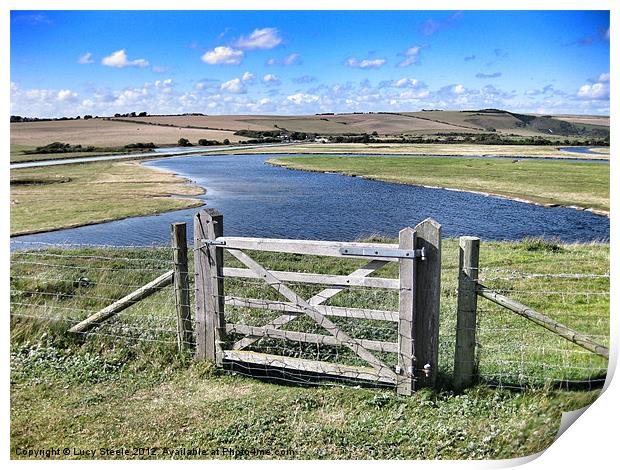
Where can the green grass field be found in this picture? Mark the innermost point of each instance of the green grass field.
(127, 387)
(566, 183)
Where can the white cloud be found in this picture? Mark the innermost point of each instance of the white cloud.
(233, 86)
(597, 91)
(86, 58)
(458, 89)
(119, 60)
(365, 63)
(247, 77)
(603, 78)
(165, 86)
(66, 95)
(264, 38)
(291, 59)
(407, 83)
(303, 98)
(412, 56)
(271, 78)
(223, 55)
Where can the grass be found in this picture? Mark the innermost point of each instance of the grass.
(50, 198)
(437, 149)
(563, 183)
(104, 392)
(25, 153)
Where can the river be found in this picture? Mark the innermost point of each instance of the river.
(260, 200)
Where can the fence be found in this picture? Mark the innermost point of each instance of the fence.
(59, 286)
(307, 312)
(507, 341)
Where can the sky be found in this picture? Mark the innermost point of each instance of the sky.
(68, 63)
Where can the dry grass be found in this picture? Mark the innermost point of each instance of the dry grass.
(103, 133)
(595, 120)
(231, 123)
(56, 197)
(517, 151)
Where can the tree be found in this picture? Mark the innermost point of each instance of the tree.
(226, 142)
(184, 142)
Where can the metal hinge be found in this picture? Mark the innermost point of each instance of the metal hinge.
(384, 252)
(207, 242)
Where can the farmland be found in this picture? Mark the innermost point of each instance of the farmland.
(391, 124)
(107, 133)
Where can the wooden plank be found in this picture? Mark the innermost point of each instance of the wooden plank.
(319, 318)
(311, 278)
(102, 315)
(181, 286)
(428, 297)
(303, 247)
(405, 384)
(205, 337)
(467, 304)
(544, 321)
(215, 264)
(348, 312)
(317, 299)
(304, 365)
(259, 331)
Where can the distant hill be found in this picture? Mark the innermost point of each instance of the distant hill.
(496, 121)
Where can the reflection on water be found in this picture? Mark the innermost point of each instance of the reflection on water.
(260, 200)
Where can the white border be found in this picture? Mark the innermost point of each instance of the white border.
(590, 443)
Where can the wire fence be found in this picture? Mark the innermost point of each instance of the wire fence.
(512, 351)
(64, 284)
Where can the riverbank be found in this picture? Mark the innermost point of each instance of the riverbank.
(548, 183)
(440, 150)
(51, 198)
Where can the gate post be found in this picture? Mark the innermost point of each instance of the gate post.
(181, 286)
(467, 302)
(428, 296)
(405, 384)
(209, 266)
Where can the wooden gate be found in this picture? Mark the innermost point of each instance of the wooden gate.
(418, 254)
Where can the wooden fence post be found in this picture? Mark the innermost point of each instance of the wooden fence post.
(181, 286)
(428, 296)
(209, 264)
(405, 384)
(467, 301)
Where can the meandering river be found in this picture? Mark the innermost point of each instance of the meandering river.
(260, 200)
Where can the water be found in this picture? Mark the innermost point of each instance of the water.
(583, 150)
(260, 200)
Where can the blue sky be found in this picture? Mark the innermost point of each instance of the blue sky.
(305, 62)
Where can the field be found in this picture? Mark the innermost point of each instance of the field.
(49, 198)
(568, 183)
(517, 151)
(107, 133)
(390, 124)
(140, 393)
(583, 119)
